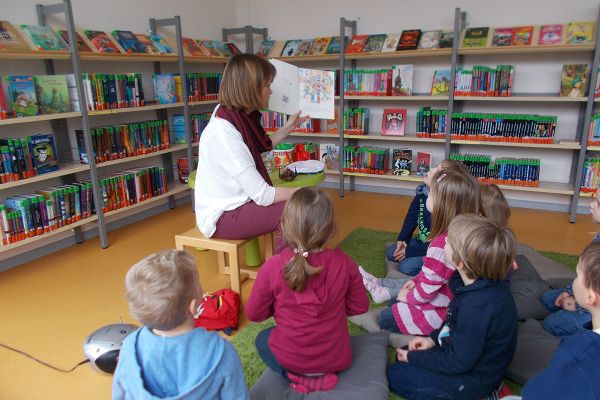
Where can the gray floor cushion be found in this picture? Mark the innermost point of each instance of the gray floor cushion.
(527, 287)
(535, 349)
(365, 379)
(390, 266)
(553, 272)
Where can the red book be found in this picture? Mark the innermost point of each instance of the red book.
(409, 39)
(522, 36)
(393, 122)
(357, 44)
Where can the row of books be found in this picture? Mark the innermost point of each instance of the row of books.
(198, 123)
(501, 171)
(203, 85)
(544, 35)
(431, 123)
(27, 157)
(42, 37)
(484, 81)
(125, 140)
(365, 159)
(594, 131)
(30, 215)
(130, 187)
(520, 128)
(273, 121)
(402, 161)
(112, 91)
(590, 178)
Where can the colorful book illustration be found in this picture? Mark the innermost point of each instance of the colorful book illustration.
(43, 153)
(391, 42)
(277, 49)
(446, 39)
(52, 94)
(11, 39)
(221, 48)
(164, 88)
(191, 47)
(393, 122)
(23, 100)
(574, 80)
(440, 85)
(265, 47)
(580, 32)
(290, 48)
(551, 34)
(146, 43)
(319, 46)
(476, 37)
(409, 40)
(304, 48)
(402, 80)
(522, 36)
(375, 43)
(401, 161)
(179, 128)
(44, 38)
(309, 90)
(128, 42)
(329, 153)
(211, 47)
(81, 44)
(357, 44)
(335, 44)
(101, 42)
(160, 43)
(423, 163)
(233, 49)
(430, 40)
(502, 37)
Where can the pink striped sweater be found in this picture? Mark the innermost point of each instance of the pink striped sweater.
(426, 305)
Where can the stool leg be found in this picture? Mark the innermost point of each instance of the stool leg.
(268, 245)
(222, 261)
(234, 270)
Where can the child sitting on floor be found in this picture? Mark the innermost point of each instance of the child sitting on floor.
(309, 290)
(409, 251)
(467, 357)
(573, 371)
(168, 357)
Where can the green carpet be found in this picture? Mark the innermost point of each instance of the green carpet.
(365, 246)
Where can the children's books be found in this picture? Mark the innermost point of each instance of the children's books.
(161, 44)
(430, 40)
(502, 37)
(146, 43)
(402, 79)
(309, 90)
(44, 38)
(574, 80)
(291, 46)
(164, 88)
(81, 44)
(409, 40)
(423, 163)
(393, 122)
(304, 48)
(580, 32)
(221, 48)
(401, 161)
(179, 128)
(374, 44)
(211, 47)
(475, 37)
(265, 47)
(277, 49)
(522, 36)
(11, 39)
(391, 42)
(191, 47)
(446, 39)
(319, 46)
(330, 154)
(335, 45)
(101, 42)
(331, 125)
(233, 49)
(23, 100)
(52, 94)
(441, 82)
(128, 42)
(357, 44)
(550, 34)
(43, 153)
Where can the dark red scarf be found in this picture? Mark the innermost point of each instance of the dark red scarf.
(253, 135)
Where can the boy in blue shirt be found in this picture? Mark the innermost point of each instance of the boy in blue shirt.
(573, 372)
(168, 357)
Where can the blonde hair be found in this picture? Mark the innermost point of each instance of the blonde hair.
(307, 222)
(243, 80)
(590, 266)
(453, 193)
(486, 249)
(453, 165)
(160, 288)
(493, 204)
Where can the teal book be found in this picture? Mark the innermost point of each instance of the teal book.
(44, 38)
(52, 94)
(164, 89)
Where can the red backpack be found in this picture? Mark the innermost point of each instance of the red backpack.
(219, 311)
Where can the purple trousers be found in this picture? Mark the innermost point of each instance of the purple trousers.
(251, 220)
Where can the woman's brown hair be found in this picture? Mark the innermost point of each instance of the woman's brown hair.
(454, 193)
(243, 80)
(307, 223)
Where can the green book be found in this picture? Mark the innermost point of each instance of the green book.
(52, 94)
(44, 38)
(476, 37)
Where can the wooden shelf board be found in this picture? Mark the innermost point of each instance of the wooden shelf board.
(528, 49)
(174, 188)
(396, 98)
(47, 235)
(593, 148)
(149, 107)
(203, 102)
(408, 138)
(65, 169)
(207, 60)
(545, 187)
(38, 118)
(586, 194)
(401, 54)
(128, 57)
(556, 146)
(388, 175)
(324, 57)
(35, 55)
(171, 149)
(522, 98)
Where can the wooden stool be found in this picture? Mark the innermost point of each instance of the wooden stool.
(227, 252)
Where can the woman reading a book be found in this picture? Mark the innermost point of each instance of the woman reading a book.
(235, 198)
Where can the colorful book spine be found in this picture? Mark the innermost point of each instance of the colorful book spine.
(111, 91)
(372, 82)
(365, 159)
(591, 175)
(273, 121)
(501, 171)
(203, 85)
(431, 123)
(15, 160)
(356, 121)
(484, 81)
(594, 131)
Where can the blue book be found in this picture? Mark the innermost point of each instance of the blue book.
(43, 153)
(179, 128)
(164, 88)
(128, 42)
(160, 43)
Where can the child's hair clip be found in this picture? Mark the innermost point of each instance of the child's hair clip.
(441, 177)
(301, 250)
